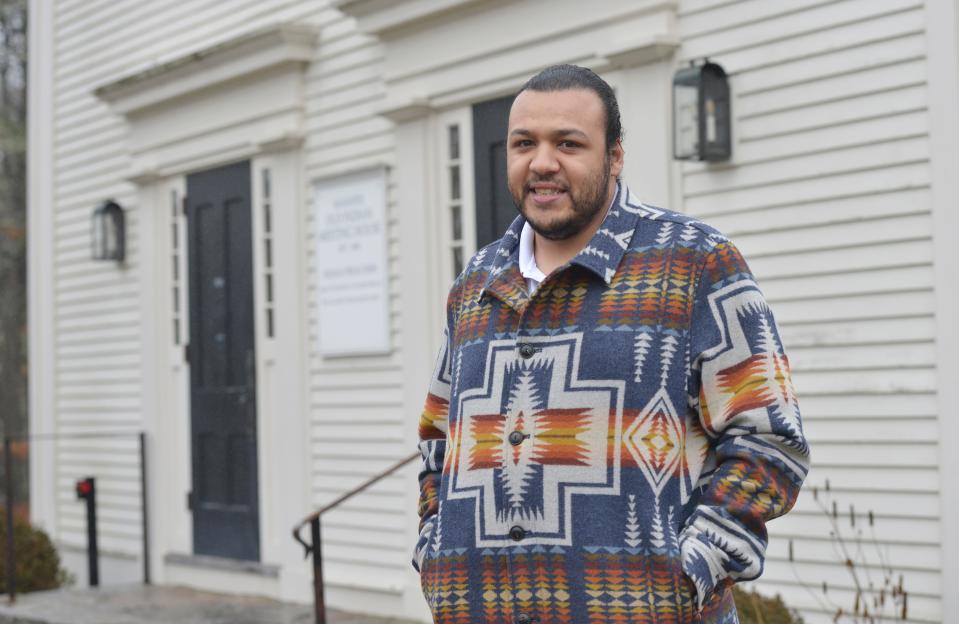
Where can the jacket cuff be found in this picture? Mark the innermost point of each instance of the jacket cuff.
(423, 543)
(702, 562)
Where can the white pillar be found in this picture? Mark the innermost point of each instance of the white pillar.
(40, 273)
(942, 32)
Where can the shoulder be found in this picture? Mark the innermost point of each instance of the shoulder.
(659, 226)
(657, 214)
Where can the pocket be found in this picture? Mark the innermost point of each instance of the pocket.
(421, 550)
(686, 595)
(427, 562)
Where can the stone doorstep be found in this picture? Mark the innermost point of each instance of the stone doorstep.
(138, 604)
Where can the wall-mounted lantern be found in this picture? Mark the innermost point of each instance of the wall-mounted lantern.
(701, 115)
(108, 232)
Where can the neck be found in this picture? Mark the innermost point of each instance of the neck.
(552, 254)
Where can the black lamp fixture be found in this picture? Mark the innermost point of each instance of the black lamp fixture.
(701, 116)
(108, 232)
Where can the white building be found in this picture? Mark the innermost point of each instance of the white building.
(841, 193)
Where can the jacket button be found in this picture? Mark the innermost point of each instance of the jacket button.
(517, 533)
(527, 351)
(516, 438)
(523, 618)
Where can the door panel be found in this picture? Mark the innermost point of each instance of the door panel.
(495, 209)
(222, 357)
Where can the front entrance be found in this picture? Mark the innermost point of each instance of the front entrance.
(224, 499)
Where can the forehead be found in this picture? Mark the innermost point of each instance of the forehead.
(570, 108)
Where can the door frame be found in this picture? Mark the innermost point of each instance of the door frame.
(282, 388)
(461, 117)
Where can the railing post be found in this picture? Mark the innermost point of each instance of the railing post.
(144, 509)
(87, 490)
(11, 560)
(315, 549)
(319, 601)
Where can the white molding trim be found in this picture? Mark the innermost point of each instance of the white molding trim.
(230, 102)
(641, 51)
(379, 17)
(265, 49)
(942, 36)
(281, 367)
(40, 273)
(400, 111)
(426, 74)
(420, 307)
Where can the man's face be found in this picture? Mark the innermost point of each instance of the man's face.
(560, 174)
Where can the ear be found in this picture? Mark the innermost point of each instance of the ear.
(617, 156)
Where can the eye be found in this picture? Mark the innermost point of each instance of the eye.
(521, 143)
(569, 144)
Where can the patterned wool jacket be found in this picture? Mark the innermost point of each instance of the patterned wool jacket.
(609, 449)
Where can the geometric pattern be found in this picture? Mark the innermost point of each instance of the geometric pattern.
(541, 584)
(609, 448)
(650, 288)
(632, 587)
(445, 582)
(655, 440)
(572, 430)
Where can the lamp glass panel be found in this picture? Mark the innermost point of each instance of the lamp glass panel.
(110, 237)
(710, 111)
(686, 120)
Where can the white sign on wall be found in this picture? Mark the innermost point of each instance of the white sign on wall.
(352, 276)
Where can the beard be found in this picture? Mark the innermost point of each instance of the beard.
(586, 201)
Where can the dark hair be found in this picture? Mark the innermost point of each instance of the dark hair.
(563, 77)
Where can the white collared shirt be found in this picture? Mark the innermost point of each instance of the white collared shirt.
(527, 260)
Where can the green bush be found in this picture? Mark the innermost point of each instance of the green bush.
(754, 608)
(37, 563)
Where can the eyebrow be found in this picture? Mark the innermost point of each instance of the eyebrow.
(562, 132)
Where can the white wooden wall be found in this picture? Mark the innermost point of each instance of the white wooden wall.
(356, 409)
(828, 197)
(354, 402)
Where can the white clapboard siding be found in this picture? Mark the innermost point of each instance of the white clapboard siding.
(355, 403)
(827, 196)
(98, 338)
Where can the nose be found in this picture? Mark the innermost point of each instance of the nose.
(544, 160)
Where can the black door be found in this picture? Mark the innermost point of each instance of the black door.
(222, 372)
(495, 209)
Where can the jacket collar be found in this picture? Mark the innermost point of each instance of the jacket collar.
(601, 255)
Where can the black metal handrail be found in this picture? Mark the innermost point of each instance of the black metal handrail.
(319, 600)
(8, 464)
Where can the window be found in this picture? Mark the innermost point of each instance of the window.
(454, 196)
(267, 252)
(175, 253)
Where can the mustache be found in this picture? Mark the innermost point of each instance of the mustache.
(562, 184)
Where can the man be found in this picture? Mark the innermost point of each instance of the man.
(611, 420)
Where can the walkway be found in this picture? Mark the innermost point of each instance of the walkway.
(137, 604)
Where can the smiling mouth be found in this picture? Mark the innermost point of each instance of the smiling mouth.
(544, 190)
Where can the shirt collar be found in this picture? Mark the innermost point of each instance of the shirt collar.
(601, 255)
(606, 249)
(527, 257)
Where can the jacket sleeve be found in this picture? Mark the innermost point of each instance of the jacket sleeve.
(432, 445)
(748, 408)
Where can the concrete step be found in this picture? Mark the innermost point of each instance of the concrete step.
(138, 604)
